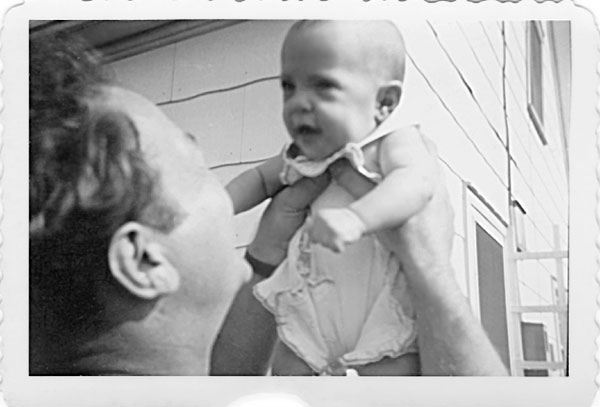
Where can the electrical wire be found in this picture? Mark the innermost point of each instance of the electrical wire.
(465, 133)
(524, 149)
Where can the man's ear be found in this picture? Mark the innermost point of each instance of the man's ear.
(136, 261)
(388, 98)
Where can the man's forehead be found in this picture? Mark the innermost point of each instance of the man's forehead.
(126, 100)
(165, 146)
(150, 122)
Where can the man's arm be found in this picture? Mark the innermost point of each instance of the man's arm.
(245, 343)
(248, 335)
(451, 340)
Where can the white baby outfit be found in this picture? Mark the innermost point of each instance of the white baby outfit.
(339, 310)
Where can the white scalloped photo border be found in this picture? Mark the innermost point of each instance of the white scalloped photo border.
(584, 241)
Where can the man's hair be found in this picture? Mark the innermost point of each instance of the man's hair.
(381, 37)
(87, 175)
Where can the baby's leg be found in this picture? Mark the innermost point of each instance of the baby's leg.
(286, 363)
(405, 365)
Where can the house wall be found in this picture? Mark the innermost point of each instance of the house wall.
(454, 88)
(539, 176)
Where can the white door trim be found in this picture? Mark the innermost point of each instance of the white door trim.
(478, 212)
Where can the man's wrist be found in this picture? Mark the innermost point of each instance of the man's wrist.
(430, 275)
(265, 270)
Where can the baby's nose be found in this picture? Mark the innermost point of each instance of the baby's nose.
(300, 101)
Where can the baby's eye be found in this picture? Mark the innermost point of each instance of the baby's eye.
(324, 84)
(287, 86)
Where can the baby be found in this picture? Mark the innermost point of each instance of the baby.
(340, 298)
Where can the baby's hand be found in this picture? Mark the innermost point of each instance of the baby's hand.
(335, 228)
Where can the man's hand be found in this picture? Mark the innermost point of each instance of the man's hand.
(282, 218)
(335, 228)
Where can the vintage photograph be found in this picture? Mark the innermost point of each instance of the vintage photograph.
(341, 206)
(262, 105)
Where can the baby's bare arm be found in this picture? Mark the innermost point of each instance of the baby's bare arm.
(253, 186)
(409, 171)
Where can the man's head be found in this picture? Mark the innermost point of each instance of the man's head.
(87, 172)
(126, 221)
(340, 80)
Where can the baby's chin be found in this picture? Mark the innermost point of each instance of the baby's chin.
(313, 154)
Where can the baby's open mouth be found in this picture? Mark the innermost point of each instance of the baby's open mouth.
(306, 130)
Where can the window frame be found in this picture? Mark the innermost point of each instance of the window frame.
(478, 213)
(535, 30)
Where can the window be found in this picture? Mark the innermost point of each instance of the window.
(535, 88)
(535, 346)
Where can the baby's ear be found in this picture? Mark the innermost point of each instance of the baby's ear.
(388, 98)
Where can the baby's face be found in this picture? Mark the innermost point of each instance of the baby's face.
(329, 94)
